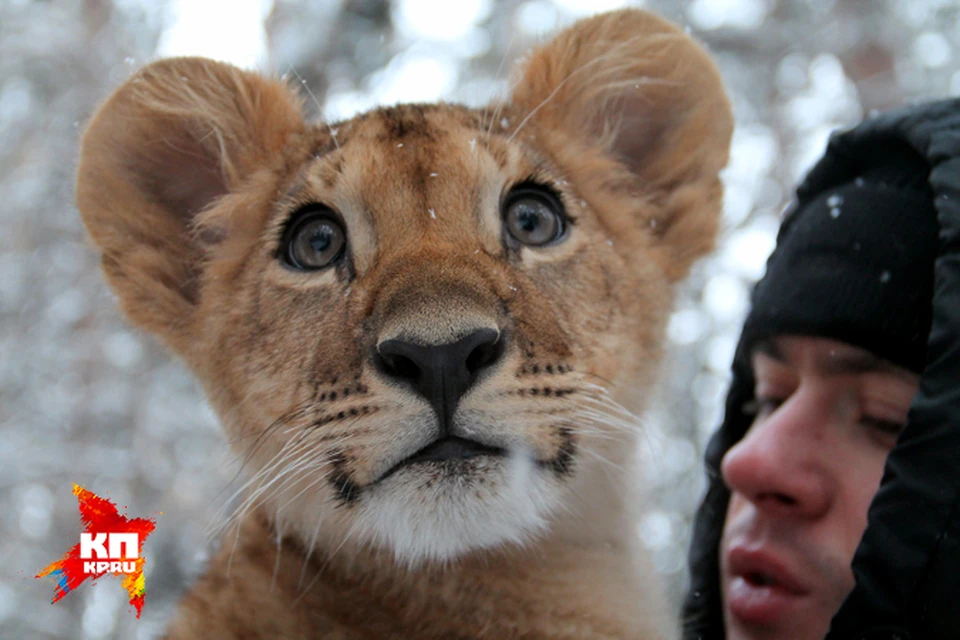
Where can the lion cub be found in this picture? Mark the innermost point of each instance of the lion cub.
(421, 327)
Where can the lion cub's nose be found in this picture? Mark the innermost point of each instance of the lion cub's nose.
(441, 373)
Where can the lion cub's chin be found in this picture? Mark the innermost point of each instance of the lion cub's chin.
(441, 510)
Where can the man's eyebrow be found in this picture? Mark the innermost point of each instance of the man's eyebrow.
(769, 348)
(835, 364)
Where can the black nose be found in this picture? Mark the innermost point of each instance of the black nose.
(441, 373)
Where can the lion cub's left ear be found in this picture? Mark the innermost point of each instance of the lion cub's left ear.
(629, 104)
(168, 144)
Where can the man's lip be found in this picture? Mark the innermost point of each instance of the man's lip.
(760, 589)
(748, 563)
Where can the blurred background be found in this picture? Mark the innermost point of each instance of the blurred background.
(84, 399)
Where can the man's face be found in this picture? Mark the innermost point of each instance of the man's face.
(802, 480)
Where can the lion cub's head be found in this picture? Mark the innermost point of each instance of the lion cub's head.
(418, 324)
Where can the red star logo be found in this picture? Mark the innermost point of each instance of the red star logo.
(99, 516)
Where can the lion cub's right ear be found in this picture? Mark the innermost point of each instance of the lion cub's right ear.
(165, 146)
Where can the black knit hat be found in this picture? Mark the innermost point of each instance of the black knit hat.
(854, 260)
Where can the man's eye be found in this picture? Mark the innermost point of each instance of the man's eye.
(762, 407)
(890, 427)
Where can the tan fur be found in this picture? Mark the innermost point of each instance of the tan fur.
(188, 175)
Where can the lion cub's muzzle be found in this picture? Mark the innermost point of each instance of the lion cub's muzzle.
(439, 332)
(441, 373)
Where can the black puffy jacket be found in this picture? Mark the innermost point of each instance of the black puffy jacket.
(907, 567)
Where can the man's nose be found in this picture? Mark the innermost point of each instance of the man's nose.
(778, 466)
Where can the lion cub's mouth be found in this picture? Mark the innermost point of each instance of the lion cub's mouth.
(447, 448)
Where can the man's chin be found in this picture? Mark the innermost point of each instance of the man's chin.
(767, 613)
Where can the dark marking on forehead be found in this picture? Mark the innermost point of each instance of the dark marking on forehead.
(413, 120)
(405, 120)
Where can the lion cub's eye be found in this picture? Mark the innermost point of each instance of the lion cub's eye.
(533, 216)
(316, 241)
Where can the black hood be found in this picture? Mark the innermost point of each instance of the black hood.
(930, 130)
